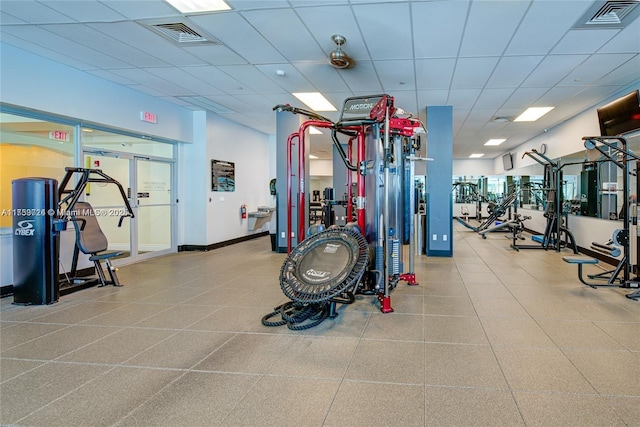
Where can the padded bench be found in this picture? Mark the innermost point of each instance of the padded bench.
(581, 260)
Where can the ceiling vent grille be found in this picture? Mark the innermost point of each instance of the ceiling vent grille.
(609, 14)
(180, 33)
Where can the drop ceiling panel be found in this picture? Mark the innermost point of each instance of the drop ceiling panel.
(406, 100)
(594, 68)
(137, 35)
(183, 79)
(252, 78)
(148, 90)
(323, 22)
(626, 41)
(6, 19)
(552, 69)
(490, 26)
(463, 98)
(624, 74)
(108, 75)
(257, 4)
(256, 103)
(142, 9)
(493, 98)
(558, 17)
(395, 75)
(385, 40)
(513, 70)
(559, 94)
(152, 82)
(34, 12)
(438, 28)
(525, 97)
(583, 41)
(236, 33)
(56, 43)
(362, 78)
(296, 43)
(216, 54)
(217, 78)
(94, 39)
(323, 76)
(37, 49)
(85, 10)
(292, 81)
(473, 72)
(432, 97)
(434, 73)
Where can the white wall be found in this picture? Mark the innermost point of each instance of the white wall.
(473, 167)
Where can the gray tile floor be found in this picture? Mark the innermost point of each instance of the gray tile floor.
(490, 337)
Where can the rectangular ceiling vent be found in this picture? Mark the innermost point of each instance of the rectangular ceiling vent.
(181, 33)
(609, 14)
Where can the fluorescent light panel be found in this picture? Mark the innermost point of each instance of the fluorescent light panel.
(315, 100)
(532, 114)
(494, 141)
(196, 6)
(476, 155)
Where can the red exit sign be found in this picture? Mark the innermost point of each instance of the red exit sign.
(146, 116)
(59, 135)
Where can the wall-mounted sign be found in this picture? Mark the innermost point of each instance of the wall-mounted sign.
(223, 176)
(148, 117)
(59, 135)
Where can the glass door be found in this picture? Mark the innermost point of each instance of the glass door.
(153, 206)
(106, 199)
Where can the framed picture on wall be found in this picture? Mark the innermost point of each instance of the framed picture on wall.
(223, 176)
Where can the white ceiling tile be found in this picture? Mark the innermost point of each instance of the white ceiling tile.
(552, 69)
(406, 100)
(85, 10)
(305, 3)
(257, 4)
(139, 36)
(94, 39)
(362, 78)
(493, 98)
(558, 17)
(583, 41)
(323, 22)
(524, 97)
(473, 72)
(594, 68)
(386, 29)
(217, 78)
(490, 26)
(626, 41)
(215, 54)
(434, 73)
(463, 98)
(396, 75)
(236, 33)
(33, 12)
(256, 102)
(292, 81)
(148, 90)
(295, 44)
(432, 97)
(183, 79)
(141, 9)
(513, 70)
(56, 43)
(7, 19)
(152, 82)
(438, 28)
(252, 78)
(108, 75)
(324, 76)
(39, 50)
(623, 75)
(558, 95)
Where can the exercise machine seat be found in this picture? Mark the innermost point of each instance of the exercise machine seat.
(578, 259)
(91, 241)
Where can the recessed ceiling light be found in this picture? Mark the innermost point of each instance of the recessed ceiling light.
(501, 119)
(494, 141)
(314, 131)
(476, 155)
(315, 100)
(195, 6)
(532, 114)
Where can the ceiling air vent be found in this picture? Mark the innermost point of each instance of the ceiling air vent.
(610, 14)
(180, 33)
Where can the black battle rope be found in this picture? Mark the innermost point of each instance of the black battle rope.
(294, 315)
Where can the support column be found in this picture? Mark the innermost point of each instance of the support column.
(439, 172)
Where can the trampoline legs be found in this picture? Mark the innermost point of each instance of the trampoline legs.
(410, 278)
(385, 303)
